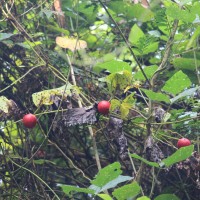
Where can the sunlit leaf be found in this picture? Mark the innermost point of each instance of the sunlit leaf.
(143, 198)
(46, 97)
(119, 80)
(4, 104)
(107, 174)
(156, 96)
(178, 82)
(71, 43)
(135, 34)
(127, 191)
(112, 66)
(180, 155)
(142, 14)
(185, 63)
(115, 104)
(176, 12)
(149, 71)
(105, 196)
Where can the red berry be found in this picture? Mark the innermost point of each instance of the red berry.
(29, 120)
(183, 142)
(103, 107)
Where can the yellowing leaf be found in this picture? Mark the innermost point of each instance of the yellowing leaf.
(4, 104)
(124, 109)
(71, 43)
(47, 97)
(119, 80)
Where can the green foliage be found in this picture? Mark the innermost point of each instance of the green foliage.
(167, 197)
(177, 83)
(112, 66)
(107, 174)
(47, 97)
(149, 71)
(143, 198)
(119, 80)
(124, 42)
(153, 164)
(68, 188)
(156, 96)
(127, 191)
(180, 155)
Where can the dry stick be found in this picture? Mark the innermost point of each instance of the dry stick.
(89, 128)
(126, 41)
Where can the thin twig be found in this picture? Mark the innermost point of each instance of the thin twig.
(166, 55)
(126, 41)
(89, 128)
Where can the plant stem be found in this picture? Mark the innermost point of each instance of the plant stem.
(89, 128)
(126, 41)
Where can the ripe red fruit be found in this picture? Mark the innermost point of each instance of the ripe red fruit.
(183, 142)
(103, 107)
(29, 120)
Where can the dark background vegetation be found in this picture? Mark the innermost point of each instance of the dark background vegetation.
(162, 36)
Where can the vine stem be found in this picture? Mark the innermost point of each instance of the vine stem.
(166, 55)
(24, 168)
(126, 41)
(89, 128)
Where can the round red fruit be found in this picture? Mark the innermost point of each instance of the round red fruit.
(29, 120)
(183, 142)
(103, 107)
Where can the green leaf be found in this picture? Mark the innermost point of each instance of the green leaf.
(42, 161)
(188, 92)
(178, 82)
(124, 109)
(150, 48)
(135, 34)
(4, 36)
(69, 188)
(142, 14)
(111, 184)
(114, 104)
(183, 2)
(123, 106)
(46, 97)
(167, 197)
(57, 29)
(186, 63)
(119, 80)
(181, 154)
(143, 198)
(153, 164)
(113, 66)
(156, 96)
(47, 12)
(176, 12)
(149, 71)
(192, 40)
(127, 191)
(107, 174)
(105, 196)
